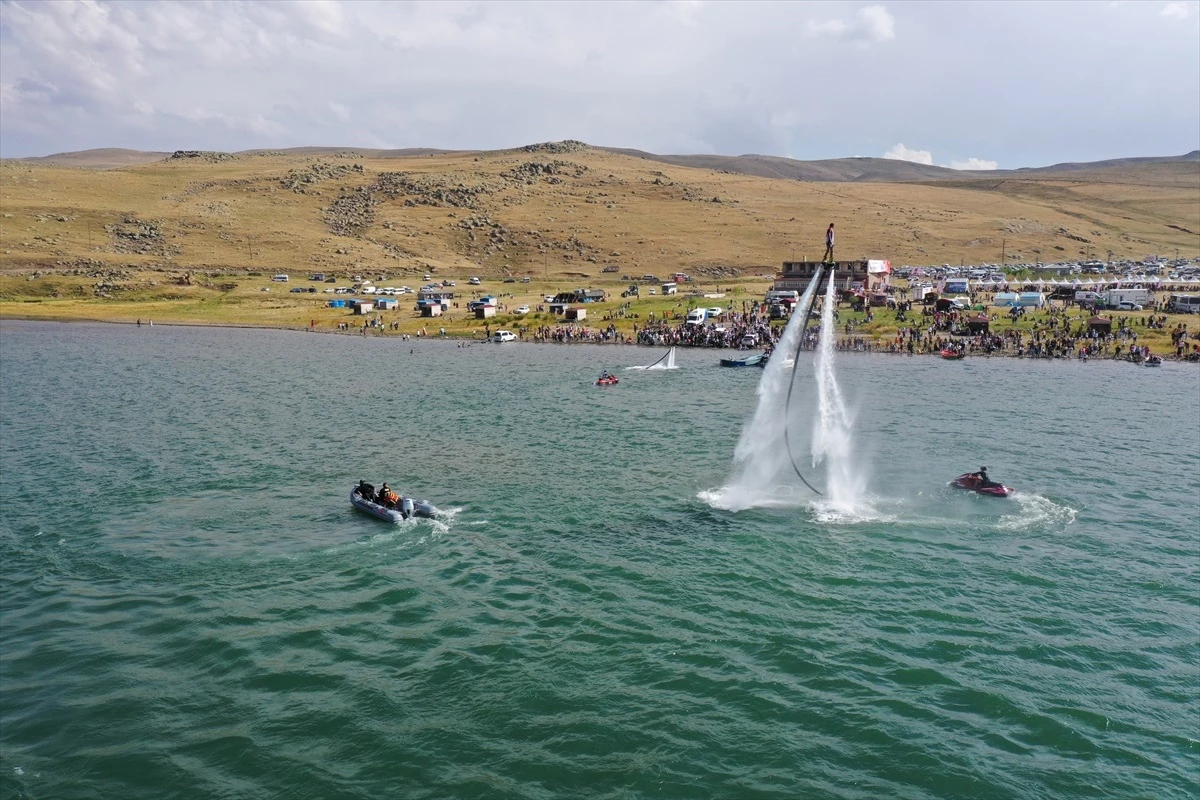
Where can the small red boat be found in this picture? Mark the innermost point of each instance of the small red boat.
(607, 380)
(972, 482)
(952, 355)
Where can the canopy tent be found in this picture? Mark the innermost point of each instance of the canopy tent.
(1100, 324)
(978, 324)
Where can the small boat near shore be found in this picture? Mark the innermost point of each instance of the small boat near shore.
(952, 355)
(756, 360)
(607, 380)
(1153, 361)
(973, 483)
(405, 508)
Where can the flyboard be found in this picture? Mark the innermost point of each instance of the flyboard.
(804, 308)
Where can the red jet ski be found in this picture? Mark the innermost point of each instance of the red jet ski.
(973, 482)
(607, 380)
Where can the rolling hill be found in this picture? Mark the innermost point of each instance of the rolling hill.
(570, 210)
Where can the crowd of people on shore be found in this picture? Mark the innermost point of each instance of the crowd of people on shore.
(1056, 332)
(732, 331)
(1057, 336)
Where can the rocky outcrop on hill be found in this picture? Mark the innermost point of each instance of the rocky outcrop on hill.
(431, 190)
(206, 155)
(132, 235)
(483, 232)
(532, 171)
(565, 146)
(352, 213)
(298, 180)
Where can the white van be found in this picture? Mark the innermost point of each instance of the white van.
(1184, 304)
(504, 336)
(697, 316)
(280, 278)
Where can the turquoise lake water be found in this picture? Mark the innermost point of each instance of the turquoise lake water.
(190, 608)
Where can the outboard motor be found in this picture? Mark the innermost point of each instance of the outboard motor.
(407, 505)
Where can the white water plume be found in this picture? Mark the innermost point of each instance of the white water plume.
(666, 362)
(764, 472)
(832, 442)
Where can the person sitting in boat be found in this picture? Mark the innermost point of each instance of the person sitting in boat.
(366, 491)
(387, 497)
(604, 376)
(982, 476)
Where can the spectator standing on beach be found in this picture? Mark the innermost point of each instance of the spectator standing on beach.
(829, 245)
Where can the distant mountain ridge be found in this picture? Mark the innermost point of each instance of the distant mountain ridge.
(834, 170)
(880, 170)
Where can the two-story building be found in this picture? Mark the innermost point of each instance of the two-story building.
(868, 275)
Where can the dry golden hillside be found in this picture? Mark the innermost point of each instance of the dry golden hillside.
(564, 210)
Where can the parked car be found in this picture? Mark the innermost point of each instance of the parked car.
(1125, 305)
(504, 336)
(522, 309)
(474, 281)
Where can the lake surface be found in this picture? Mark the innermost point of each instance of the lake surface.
(189, 606)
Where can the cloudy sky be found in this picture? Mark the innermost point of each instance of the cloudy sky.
(974, 84)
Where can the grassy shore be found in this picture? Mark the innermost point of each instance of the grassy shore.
(253, 300)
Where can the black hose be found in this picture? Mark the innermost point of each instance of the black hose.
(664, 358)
(788, 405)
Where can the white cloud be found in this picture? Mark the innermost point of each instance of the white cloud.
(1175, 10)
(833, 27)
(879, 25)
(680, 76)
(974, 163)
(902, 153)
(872, 24)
